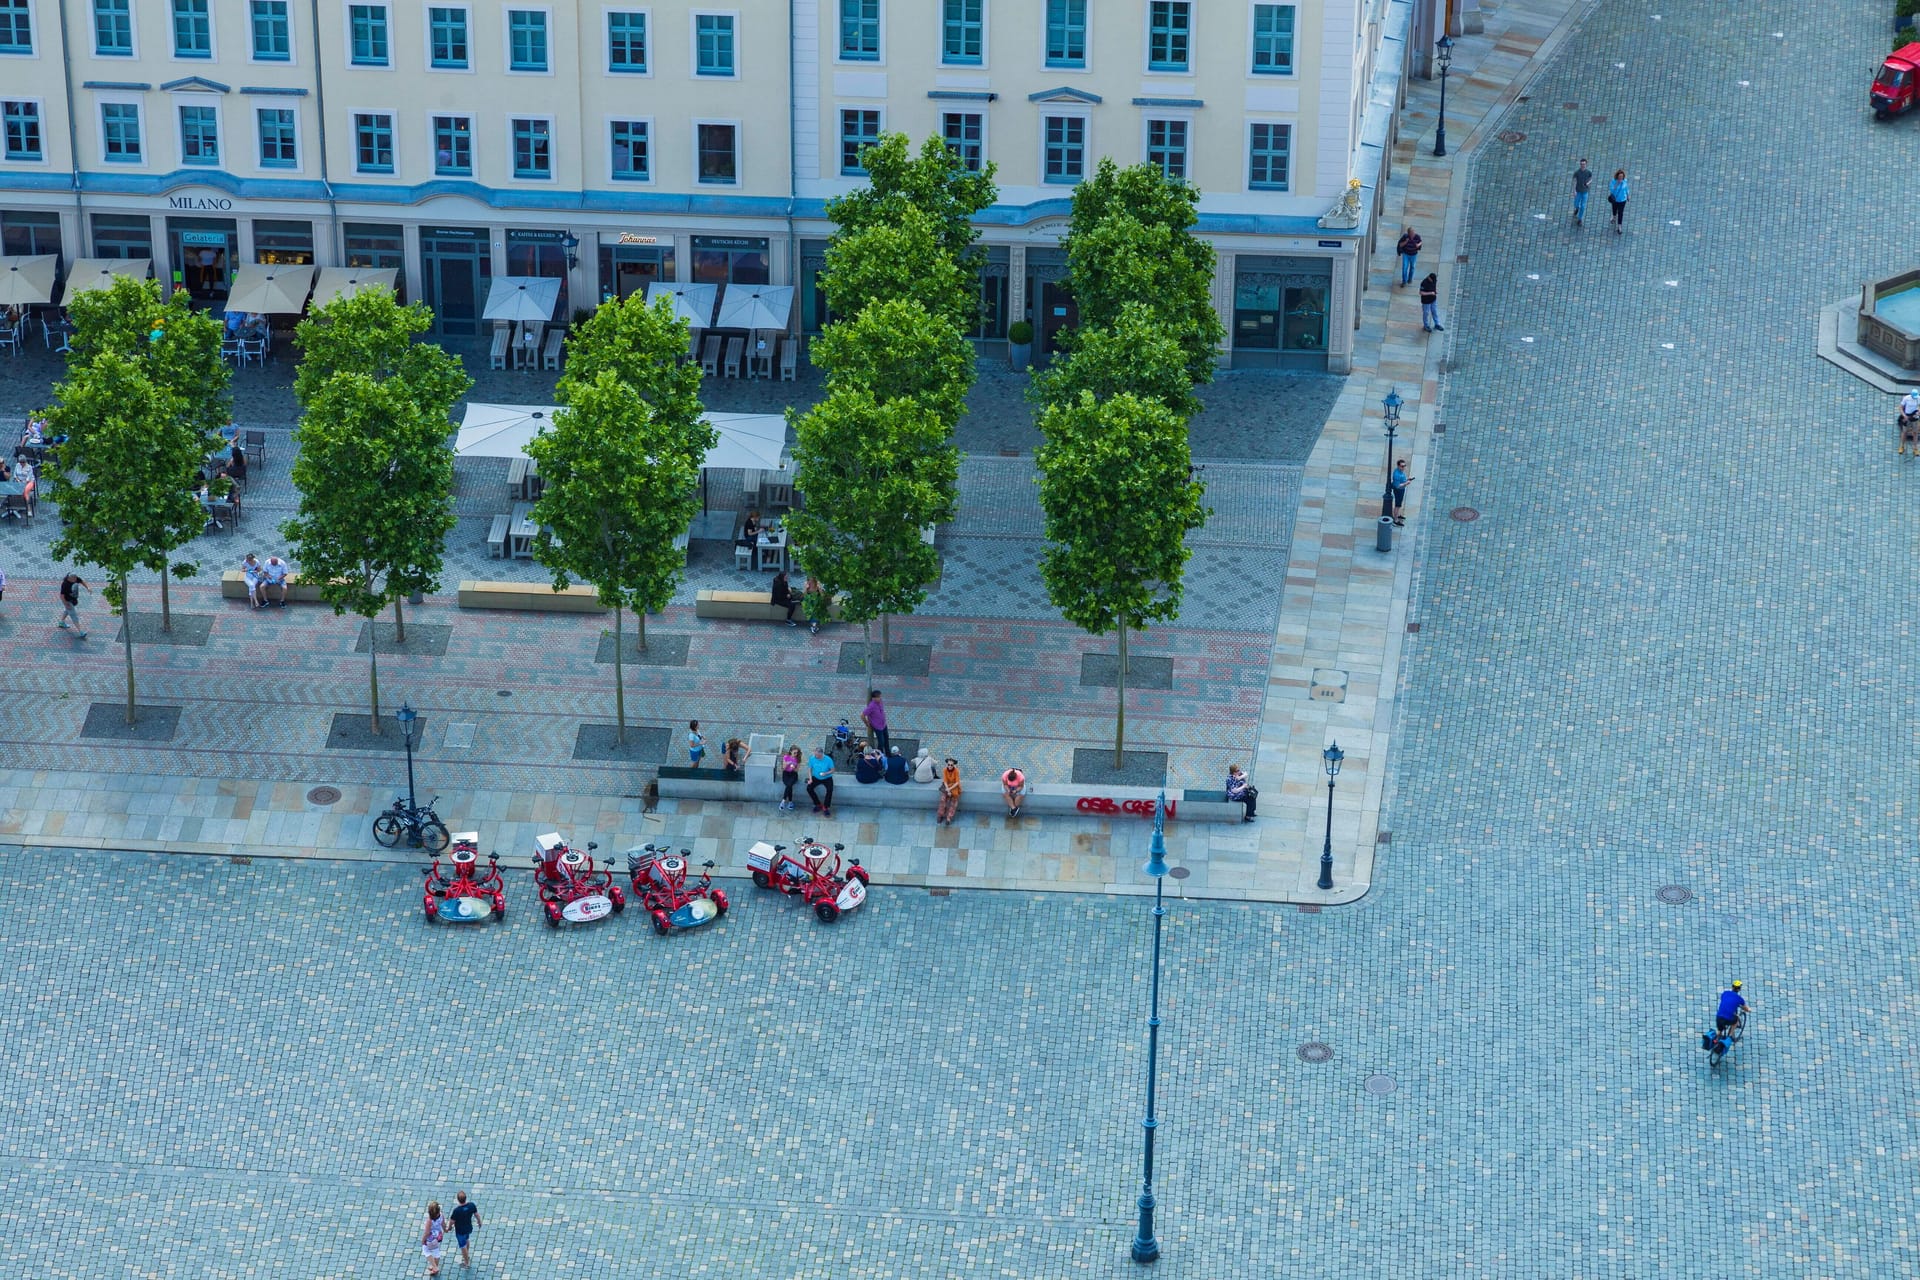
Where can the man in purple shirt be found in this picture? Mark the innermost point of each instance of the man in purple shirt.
(875, 718)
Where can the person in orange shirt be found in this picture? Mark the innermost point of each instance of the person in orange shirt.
(949, 792)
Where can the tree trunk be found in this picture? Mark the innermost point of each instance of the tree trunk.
(640, 619)
(399, 623)
(166, 611)
(126, 634)
(1120, 706)
(373, 654)
(886, 637)
(866, 649)
(619, 682)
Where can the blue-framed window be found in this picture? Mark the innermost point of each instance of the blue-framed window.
(860, 30)
(713, 44)
(279, 138)
(447, 34)
(1167, 147)
(1066, 149)
(1273, 39)
(20, 122)
(527, 39)
(199, 136)
(367, 24)
(16, 27)
(192, 29)
(627, 42)
(632, 154)
(120, 132)
(113, 28)
(965, 134)
(1169, 35)
(719, 154)
(858, 131)
(272, 31)
(372, 142)
(453, 146)
(963, 32)
(532, 149)
(1066, 33)
(1269, 147)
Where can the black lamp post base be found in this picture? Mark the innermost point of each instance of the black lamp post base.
(1326, 871)
(1146, 1250)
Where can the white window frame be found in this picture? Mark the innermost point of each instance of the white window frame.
(299, 164)
(839, 58)
(986, 40)
(1046, 68)
(353, 140)
(426, 34)
(203, 100)
(506, 42)
(1261, 77)
(1193, 41)
(553, 143)
(962, 109)
(40, 114)
(293, 37)
(1088, 156)
(1246, 156)
(693, 51)
(213, 36)
(1182, 116)
(33, 24)
(346, 37)
(653, 150)
(473, 137)
(133, 31)
(137, 102)
(653, 47)
(739, 153)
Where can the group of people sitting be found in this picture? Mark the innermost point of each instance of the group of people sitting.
(266, 581)
(246, 326)
(784, 597)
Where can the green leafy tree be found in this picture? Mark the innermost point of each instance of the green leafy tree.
(1130, 240)
(375, 477)
(1119, 499)
(126, 440)
(1136, 353)
(874, 474)
(931, 182)
(635, 341)
(896, 349)
(370, 335)
(903, 260)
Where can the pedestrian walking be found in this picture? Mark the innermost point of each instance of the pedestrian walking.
(433, 1240)
(1430, 303)
(1582, 184)
(820, 774)
(789, 777)
(875, 718)
(1617, 197)
(465, 1217)
(696, 745)
(70, 587)
(1397, 483)
(1909, 430)
(949, 793)
(1409, 250)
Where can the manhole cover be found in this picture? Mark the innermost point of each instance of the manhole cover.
(1513, 135)
(504, 693)
(323, 795)
(1674, 893)
(1180, 873)
(1465, 515)
(1380, 1086)
(1314, 1051)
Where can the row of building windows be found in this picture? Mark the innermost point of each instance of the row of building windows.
(1170, 35)
(716, 144)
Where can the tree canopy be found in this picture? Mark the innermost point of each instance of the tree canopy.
(932, 183)
(896, 348)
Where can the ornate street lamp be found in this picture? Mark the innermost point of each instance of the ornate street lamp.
(1444, 54)
(1333, 755)
(406, 715)
(1391, 403)
(571, 242)
(1146, 1246)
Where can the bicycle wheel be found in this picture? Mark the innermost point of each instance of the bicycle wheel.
(433, 834)
(388, 828)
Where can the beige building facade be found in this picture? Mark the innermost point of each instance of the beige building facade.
(614, 144)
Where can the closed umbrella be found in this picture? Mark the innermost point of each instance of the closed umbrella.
(765, 306)
(24, 281)
(691, 302)
(98, 273)
(271, 289)
(522, 298)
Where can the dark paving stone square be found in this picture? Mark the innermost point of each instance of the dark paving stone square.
(1093, 766)
(646, 744)
(901, 659)
(1102, 671)
(424, 639)
(663, 650)
(151, 724)
(351, 731)
(188, 629)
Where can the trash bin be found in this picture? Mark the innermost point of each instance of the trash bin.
(1383, 534)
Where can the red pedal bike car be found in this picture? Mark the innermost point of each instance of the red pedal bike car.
(660, 881)
(463, 893)
(813, 873)
(571, 887)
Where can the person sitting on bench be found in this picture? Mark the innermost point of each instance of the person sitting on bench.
(783, 597)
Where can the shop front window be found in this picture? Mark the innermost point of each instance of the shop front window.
(279, 243)
(1305, 311)
(627, 269)
(29, 234)
(118, 235)
(730, 260)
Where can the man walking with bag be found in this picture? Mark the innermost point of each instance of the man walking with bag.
(1409, 250)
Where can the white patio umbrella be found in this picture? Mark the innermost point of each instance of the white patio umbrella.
(500, 430)
(98, 273)
(344, 282)
(27, 280)
(522, 298)
(748, 442)
(271, 289)
(691, 302)
(756, 306)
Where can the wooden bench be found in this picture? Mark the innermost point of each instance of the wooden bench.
(497, 537)
(517, 476)
(233, 586)
(747, 606)
(550, 354)
(537, 596)
(498, 357)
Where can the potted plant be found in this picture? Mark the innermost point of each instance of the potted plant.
(1019, 343)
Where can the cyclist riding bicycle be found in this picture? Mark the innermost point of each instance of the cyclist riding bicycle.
(1731, 1004)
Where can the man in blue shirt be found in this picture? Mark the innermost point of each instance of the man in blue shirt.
(1731, 1003)
(820, 767)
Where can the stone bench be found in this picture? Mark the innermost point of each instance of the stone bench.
(761, 784)
(233, 586)
(747, 606)
(528, 595)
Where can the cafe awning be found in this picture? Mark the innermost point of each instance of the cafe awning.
(276, 289)
(691, 302)
(98, 273)
(751, 306)
(344, 282)
(747, 441)
(522, 299)
(24, 281)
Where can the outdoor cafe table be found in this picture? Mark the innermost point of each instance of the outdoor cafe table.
(772, 550)
(523, 531)
(16, 489)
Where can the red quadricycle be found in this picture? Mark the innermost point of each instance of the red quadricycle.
(463, 893)
(813, 872)
(674, 902)
(571, 886)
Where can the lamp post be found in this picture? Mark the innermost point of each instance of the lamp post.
(1391, 404)
(406, 715)
(571, 242)
(1333, 755)
(1444, 48)
(1146, 1246)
